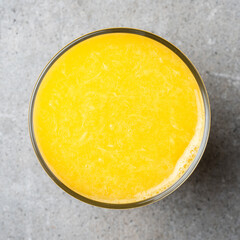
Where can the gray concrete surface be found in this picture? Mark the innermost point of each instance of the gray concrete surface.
(206, 206)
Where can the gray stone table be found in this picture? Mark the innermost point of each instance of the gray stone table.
(206, 206)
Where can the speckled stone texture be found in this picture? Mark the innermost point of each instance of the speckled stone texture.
(206, 206)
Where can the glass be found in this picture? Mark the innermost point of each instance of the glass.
(201, 148)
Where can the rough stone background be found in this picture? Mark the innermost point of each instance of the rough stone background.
(206, 206)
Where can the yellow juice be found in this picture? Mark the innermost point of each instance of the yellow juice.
(118, 118)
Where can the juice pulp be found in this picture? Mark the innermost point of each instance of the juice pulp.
(118, 118)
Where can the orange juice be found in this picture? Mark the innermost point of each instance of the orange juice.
(118, 118)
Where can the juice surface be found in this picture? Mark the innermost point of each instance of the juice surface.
(118, 118)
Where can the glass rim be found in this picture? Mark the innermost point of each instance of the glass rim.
(192, 166)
